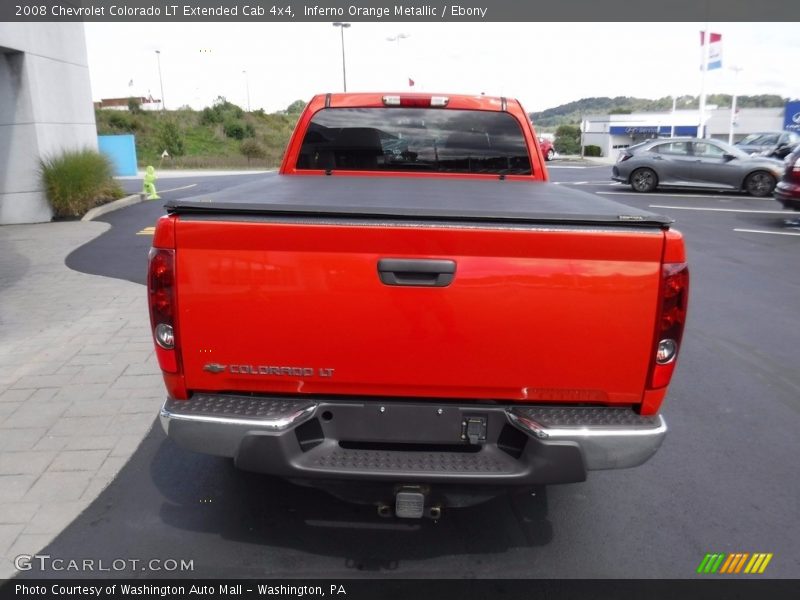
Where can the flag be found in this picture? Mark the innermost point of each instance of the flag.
(410, 82)
(714, 50)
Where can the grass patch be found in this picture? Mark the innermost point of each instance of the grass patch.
(78, 180)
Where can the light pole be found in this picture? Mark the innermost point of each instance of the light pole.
(247, 87)
(736, 70)
(672, 117)
(160, 80)
(397, 38)
(343, 26)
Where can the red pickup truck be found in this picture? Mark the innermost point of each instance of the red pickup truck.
(411, 307)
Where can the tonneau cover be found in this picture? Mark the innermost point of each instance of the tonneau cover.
(419, 198)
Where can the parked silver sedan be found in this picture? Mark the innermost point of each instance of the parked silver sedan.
(695, 163)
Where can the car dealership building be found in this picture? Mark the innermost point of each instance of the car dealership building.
(45, 109)
(615, 132)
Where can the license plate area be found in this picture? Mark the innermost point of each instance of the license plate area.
(394, 422)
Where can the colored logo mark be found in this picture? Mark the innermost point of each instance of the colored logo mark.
(735, 563)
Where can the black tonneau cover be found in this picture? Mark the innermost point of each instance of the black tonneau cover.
(417, 198)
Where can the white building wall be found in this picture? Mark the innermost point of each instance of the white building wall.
(45, 108)
(602, 140)
(750, 120)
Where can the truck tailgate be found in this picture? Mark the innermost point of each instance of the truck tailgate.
(532, 313)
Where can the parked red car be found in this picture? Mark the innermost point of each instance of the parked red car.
(547, 148)
(787, 192)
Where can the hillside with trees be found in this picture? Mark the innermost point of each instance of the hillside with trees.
(224, 135)
(219, 136)
(571, 113)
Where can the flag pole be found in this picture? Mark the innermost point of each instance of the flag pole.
(736, 70)
(705, 45)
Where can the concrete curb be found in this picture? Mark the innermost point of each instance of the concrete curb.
(185, 173)
(112, 206)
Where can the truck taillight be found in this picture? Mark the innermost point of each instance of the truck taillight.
(673, 298)
(163, 309)
(416, 101)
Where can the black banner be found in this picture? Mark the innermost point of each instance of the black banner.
(414, 589)
(399, 10)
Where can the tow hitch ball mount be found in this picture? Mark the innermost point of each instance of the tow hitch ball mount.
(409, 503)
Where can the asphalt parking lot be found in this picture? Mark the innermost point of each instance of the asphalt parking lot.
(724, 481)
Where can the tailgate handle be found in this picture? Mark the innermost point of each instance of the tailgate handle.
(416, 272)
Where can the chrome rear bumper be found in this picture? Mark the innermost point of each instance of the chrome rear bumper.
(610, 438)
(412, 441)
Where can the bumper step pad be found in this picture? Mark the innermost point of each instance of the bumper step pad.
(414, 462)
(585, 416)
(245, 407)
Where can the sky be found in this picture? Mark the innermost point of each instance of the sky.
(541, 64)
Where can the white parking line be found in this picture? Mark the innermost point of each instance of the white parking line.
(768, 232)
(571, 167)
(183, 187)
(603, 182)
(732, 210)
(671, 195)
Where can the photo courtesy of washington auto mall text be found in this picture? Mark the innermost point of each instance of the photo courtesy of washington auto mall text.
(155, 590)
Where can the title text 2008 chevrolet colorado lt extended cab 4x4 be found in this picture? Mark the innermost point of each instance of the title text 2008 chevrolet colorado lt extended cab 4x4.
(410, 306)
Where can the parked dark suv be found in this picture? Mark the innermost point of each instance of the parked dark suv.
(775, 144)
(787, 192)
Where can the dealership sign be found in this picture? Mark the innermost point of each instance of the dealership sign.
(635, 130)
(791, 116)
(659, 130)
(714, 55)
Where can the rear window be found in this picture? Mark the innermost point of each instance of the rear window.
(414, 139)
(760, 139)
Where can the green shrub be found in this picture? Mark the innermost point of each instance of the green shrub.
(234, 129)
(121, 120)
(592, 150)
(209, 116)
(567, 140)
(134, 106)
(228, 110)
(171, 138)
(252, 149)
(78, 180)
(296, 107)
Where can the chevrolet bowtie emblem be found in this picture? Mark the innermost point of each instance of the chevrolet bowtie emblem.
(214, 368)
